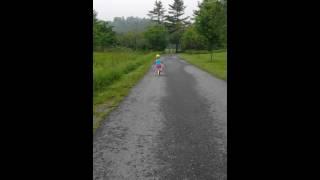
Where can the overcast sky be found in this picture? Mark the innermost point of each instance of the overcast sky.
(108, 9)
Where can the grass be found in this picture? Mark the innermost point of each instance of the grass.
(217, 67)
(114, 74)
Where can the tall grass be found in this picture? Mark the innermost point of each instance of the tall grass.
(108, 67)
(114, 73)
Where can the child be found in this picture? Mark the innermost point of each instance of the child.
(158, 64)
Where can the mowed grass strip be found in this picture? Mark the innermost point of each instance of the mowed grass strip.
(217, 67)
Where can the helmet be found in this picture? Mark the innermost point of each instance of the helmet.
(157, 56)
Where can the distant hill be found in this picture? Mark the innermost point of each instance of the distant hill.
(123, 25)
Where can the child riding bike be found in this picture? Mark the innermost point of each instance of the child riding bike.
(158, 65)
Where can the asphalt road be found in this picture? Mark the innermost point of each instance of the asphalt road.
(172, 126)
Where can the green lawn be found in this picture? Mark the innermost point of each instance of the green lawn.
(114, 74)
(217, 67)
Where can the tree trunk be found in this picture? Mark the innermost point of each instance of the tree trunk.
(211, 56)
(211, 51)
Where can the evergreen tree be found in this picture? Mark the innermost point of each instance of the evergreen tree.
(157, 14)
(175, 21)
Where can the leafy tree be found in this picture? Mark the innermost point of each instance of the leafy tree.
(211, 23)
(156, 37)
(95, 31)
(132, 39)
(103, 35)
(191, 39)
(106, 36)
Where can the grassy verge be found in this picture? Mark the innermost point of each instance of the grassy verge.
(114, 74)
(217, 67)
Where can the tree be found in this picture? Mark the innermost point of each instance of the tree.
(223, 29)
(95, 31)
(134, 40)
(175, 22)
(156, 37)
(191, 39)
(157, 14)
(127, 39)
(211, 23)
(103, 35)
(95, 16)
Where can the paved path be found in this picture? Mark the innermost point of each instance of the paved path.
(172, 126)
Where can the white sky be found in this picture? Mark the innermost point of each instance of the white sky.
(108, 9)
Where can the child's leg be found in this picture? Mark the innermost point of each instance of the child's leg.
(155, 69)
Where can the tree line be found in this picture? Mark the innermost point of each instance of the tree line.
(206, 30)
